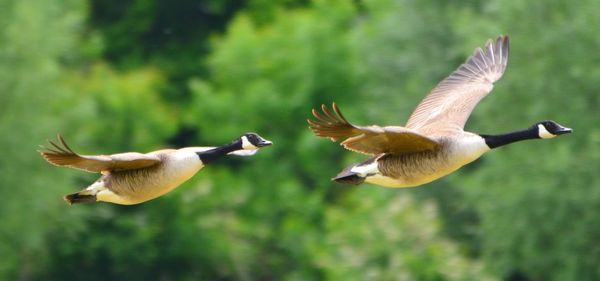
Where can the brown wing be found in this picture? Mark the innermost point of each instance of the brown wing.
(368, 140)
(64, 156)
(451, 102)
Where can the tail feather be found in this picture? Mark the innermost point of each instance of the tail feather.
(348, 177)
(78, 197)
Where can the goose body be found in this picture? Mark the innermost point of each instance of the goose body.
(414, 169)
(132, 178)
(135, 186)
(433, 143)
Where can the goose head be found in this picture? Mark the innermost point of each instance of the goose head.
(252, 141)
(549, 129)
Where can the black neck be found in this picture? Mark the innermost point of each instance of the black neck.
(500, 140)
(218, 152)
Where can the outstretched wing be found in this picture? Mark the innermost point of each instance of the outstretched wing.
(368, 140)
(451, 102)
(63, 155)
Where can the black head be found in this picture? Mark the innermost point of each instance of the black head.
(252, 141)
(549, 129)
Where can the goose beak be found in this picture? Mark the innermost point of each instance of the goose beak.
(264, 142)
(563, 130)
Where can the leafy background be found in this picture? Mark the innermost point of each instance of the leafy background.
(140, 75)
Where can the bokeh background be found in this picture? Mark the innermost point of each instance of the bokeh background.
(139, 75)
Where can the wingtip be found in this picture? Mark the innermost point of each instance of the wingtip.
(311, 123)
(323, 107)
(41, 148)
(335, 107)
(314, 113)
(501, 40)
(501, 37)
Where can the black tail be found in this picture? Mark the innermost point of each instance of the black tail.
(80, 198)
(348, 177)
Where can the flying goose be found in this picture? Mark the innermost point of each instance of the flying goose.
(433, 143)
(132, 178)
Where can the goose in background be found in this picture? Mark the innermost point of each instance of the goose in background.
(132, 178)
(433, 143)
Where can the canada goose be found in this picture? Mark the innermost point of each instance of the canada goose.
(132, 178)
(433, 143)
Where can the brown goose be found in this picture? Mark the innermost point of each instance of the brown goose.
(433, 142)
(132, 178)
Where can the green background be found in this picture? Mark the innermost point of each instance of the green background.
(139, 75)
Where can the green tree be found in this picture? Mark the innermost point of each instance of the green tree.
(372, 236)
(34, 42)
(142, 75)
(537, 201)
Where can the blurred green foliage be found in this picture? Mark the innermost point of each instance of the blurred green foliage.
(141, 75)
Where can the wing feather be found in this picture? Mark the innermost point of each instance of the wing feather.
(63, 155)
(368, 139)
(451, 102)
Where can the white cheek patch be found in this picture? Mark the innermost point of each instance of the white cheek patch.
(246, 144)
(543, 133)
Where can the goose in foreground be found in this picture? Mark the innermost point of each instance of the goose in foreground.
(433, 143)
(132, 178)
